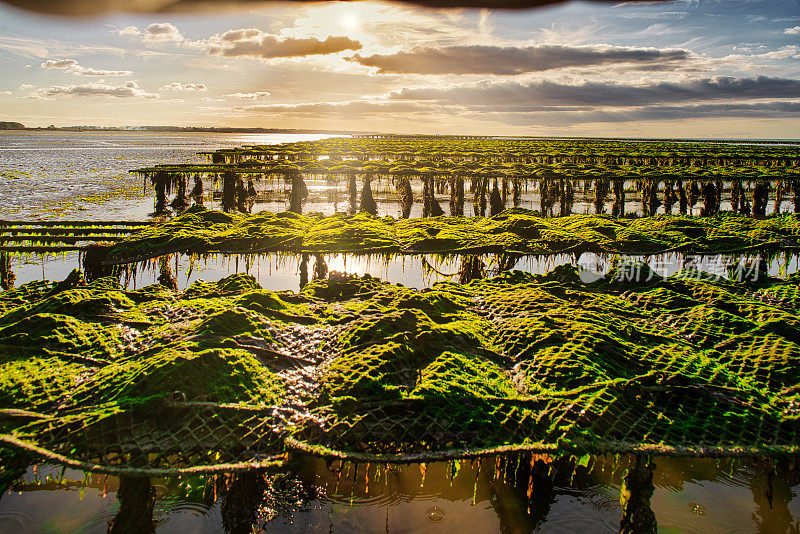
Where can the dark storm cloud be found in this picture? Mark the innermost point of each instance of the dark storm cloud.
(498, 60)
(251, 42)
(605, 94)
(564, 117)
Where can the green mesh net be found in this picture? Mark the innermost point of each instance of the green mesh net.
(227, 375)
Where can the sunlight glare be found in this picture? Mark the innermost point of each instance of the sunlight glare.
(350, 22)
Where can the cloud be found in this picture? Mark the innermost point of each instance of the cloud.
(155, 32)
(5, 92)
(480, 59)
(128, 31)
(161, 31)
(792, 31)
(347, 109)
(605, 94)
(26, 86)
(557, 118)
(258, 95)
(126, 90)
(178, 86)
(251, 42)
(70, 65)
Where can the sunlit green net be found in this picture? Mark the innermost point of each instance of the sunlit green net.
(227, 375)
(515, 231)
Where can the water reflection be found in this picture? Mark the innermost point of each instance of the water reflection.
(277, 272)
(506, 494)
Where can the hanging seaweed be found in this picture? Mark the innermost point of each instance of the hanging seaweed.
(694, 193)
(304, 258)
(352, 192)
(161, 183)
(7, 276)
(495, 201)
(251, 194)
(504, 191)
(93, 262)
(710, 202)
(683, 202)
(618, 210)
(228, 191)
(137, 499)
(180, 202)
(780, 191)
(320, 267)
(760, 197)
(197, 190)
(472, 268)
(601, 186)
(476, 187)
(241, 195)
(367, 204)
(796, 193)
(635, 493)
(669, 196)
(506, 262)
(456, 195)
(240, 505)
(737, 195)
(517, 192)
(406, 195)
(166, 277)
(549, 193)
(299, 193)
(567, 197)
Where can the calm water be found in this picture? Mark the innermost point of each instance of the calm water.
(45, 175)
(487, 496)
(84, 175)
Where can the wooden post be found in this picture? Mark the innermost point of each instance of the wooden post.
(137, 498)
(7, 276)
(367, 200)
(495, 200)
(240, 507)
(299, 194)
(637, 488)
(228, 191)
(406, 196)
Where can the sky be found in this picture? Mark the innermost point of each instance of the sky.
(688, 68)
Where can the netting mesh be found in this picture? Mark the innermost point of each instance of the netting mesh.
(226, 375)
(516, 230)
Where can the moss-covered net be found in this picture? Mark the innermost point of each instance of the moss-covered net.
(515, 231)
(227, 375)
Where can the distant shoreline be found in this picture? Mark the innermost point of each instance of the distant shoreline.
(178, 129)
(4, 128)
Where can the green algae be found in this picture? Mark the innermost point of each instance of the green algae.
(679, 365)
(514, 231)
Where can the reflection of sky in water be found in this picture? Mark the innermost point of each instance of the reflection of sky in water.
(279, 272)
(692, 496)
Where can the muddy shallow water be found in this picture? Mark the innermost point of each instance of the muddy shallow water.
(310, 495)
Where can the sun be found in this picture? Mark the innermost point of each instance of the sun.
(350, 22)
